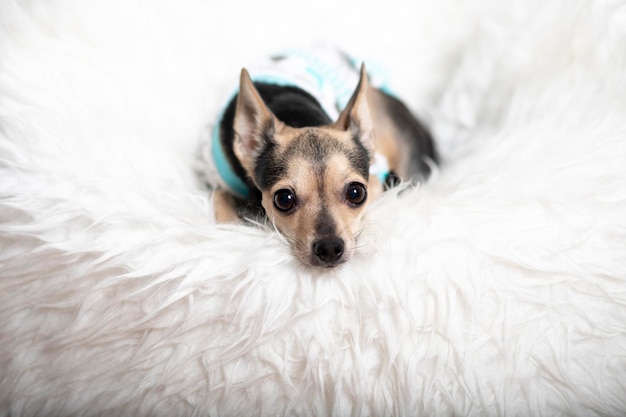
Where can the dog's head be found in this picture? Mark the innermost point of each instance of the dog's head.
(315, 180)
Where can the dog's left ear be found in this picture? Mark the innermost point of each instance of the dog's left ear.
(254, 123)
(356, 116)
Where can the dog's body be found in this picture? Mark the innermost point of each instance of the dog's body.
(312, 175)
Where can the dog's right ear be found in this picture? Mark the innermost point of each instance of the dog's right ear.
(254, 123)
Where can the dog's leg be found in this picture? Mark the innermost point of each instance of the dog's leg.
(374, 188)
(225, 207)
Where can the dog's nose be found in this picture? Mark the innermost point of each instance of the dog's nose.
(328, 250)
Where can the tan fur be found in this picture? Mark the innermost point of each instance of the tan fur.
(386, 132)
(357, 114)
(315, 193)
(225, 207)
(251, 117)
(299, 226)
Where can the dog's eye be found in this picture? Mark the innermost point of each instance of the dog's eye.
(284, 200)
(356, 194)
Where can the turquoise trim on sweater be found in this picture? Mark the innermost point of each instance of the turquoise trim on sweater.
(223, 166)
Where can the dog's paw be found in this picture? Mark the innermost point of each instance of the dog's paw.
(225, 207)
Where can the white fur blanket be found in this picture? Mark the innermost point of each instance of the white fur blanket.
(498, 288)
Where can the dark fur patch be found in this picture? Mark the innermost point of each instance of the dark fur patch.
(360, 159)
(315, 147)
(269, 166)
(324, 224)
(296, 108)
(318, 147)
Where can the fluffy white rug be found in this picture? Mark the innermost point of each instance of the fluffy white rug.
(499, 288)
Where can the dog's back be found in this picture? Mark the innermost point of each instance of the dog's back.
(401, 137)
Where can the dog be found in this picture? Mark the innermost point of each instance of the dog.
(288, 148)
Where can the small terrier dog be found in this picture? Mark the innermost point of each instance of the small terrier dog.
(278, 148)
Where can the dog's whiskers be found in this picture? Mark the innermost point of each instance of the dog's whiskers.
(284, 238)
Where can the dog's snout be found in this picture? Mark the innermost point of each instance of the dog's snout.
(328, 251)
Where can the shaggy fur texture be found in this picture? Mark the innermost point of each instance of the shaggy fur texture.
(498, 288)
